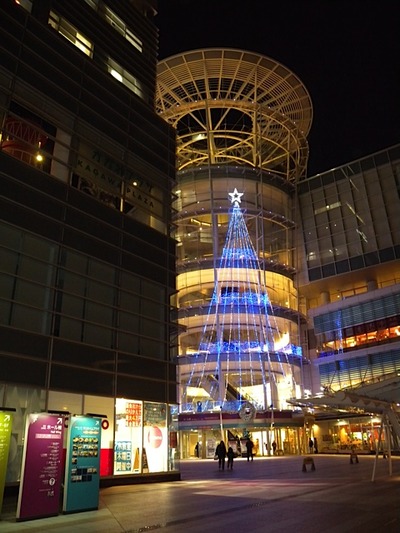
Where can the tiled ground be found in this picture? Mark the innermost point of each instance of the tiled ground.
(267, 495)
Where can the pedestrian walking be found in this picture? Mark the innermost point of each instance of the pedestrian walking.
(231, 455)
(221, 452)
(249, 447)
(274, 448)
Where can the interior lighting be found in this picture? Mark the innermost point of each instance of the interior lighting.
(116, 75)
(39, 157)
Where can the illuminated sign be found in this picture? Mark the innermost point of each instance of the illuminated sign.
(39, 491)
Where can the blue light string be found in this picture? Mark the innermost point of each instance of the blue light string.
(253, 302)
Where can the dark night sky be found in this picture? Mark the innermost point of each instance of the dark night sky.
(346, 52)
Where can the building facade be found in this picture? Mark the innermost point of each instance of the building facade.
(350, 281)
(242, 121)
(87, 259)
(326, 253)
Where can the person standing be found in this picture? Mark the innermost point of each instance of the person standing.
(249, 447)
(273, 448)
(221, 452)
(231, 455)
(311, 445)
(315, 445)
(197, 450)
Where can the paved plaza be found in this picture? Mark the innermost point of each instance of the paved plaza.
(267, 495)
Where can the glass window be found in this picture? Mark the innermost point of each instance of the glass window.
(101, 271)
(133, 39)
(26, 4)
(72, 283)
(129, 302)
(155, 436)
(100, 314)
(129, 282)
(30, 319)
(100, 292)
(153, 349)
(116, 22)
(129, 322)
(72, 306)
(129, 453)
(71, 33)
(98, 335)
(124, 77)
(93, 4)
(128, 343)
(6, 286)
(155, 292)
(65, 401)
(24, 400)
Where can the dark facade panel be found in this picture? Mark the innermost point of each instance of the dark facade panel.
(83, 355)
(28, 220)
(24, 343)
(91, 246)
(143, 268)
(91, 226)
(80, 380)
(146, 389)
(23, 371)
(95, 209)
(30, 176)
(141, 367)
(31, 198)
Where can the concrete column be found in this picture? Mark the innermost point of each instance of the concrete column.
(325, 298)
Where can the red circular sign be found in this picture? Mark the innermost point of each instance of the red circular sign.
(154, 437)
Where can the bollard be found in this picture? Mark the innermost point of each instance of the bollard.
(308, 461)
(354, 456)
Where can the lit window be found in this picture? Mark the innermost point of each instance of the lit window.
(120, 26)
(71, 33)
(131, 37)
(116, 75)
(114, 20)
(26, 4)
(124, 77)
(327, 208)
(94, 4)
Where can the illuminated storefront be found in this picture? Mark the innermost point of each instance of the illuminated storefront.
(285, 428)
(341, 435)
(137, 437)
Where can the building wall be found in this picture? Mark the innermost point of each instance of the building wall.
(88, 263)
(349, 216)
(241, 121)
(350, 276)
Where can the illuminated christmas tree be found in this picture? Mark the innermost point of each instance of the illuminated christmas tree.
(238, 356)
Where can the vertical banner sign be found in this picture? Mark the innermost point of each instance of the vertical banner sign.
(5, 436)
(41, 477)
(82, 476)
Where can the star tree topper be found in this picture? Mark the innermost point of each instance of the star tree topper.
(236, 197)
